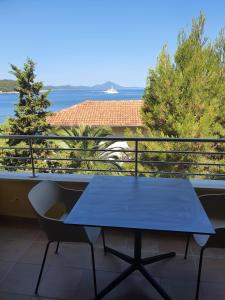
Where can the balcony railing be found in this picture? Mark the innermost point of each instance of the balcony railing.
(166, 157)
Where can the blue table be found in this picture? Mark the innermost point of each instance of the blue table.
(139, 203)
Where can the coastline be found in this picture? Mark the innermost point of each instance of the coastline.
(66, 98)
(13, 92)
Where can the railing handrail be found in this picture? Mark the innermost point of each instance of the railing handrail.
(112, 138)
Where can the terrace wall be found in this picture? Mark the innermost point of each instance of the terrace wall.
(14, 191)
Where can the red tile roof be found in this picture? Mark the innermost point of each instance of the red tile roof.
(107, 113)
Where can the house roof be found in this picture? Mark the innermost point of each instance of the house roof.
(119, 113)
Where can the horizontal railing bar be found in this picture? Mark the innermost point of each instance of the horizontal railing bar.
(128, 161)
(183, 174)
(114, 160)
(15, 157)
(15, 167)
(84, 149)
(82, 159)
(117, 171)
(181, 152)
(141, 139)
(84, 170)
(179, 163)
(122, 151)
(14, 148)
(115, 150)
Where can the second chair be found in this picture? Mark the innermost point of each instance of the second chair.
(214, 205)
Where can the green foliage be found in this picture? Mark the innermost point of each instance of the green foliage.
(92, 150)
(30, 119)
(185, 97)
(30, 111)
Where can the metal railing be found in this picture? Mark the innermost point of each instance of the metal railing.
(167, 157)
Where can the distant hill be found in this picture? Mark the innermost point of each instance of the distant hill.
(100, 87)
(7, 85)
(66, 87)
(10, 85)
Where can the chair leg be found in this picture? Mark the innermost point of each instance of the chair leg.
(103, 240)
(42, 266)
(187, 246)
(199, 273)
(57, 248)
(93, 269)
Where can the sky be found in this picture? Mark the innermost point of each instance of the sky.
(87, 42)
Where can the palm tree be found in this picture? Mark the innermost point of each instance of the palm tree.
(89, 154)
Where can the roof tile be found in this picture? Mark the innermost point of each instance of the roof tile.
(99, 112)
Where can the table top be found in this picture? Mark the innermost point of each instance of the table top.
(163, 204)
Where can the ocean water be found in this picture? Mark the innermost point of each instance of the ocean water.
(65, 98)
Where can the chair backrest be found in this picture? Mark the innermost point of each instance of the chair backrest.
(217, 240)
(44, 196)
(214, 205)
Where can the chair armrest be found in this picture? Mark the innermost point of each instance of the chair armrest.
(222, 195)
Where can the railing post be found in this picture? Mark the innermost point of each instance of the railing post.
(136, 158)
(31, 157)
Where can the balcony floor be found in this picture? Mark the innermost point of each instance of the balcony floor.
(68, 275)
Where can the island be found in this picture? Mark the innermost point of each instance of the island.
(9, 86)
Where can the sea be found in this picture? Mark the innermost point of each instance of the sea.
(65, 98)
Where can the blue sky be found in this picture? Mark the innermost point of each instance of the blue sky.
(84, 42)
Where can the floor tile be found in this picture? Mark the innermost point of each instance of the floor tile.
(34, 254)
(150, 243)
(177, 268)
(5, 268)
(18, 231)
(64, 283)
(213, 270)
(179, 289)
(172, 242)
(12, 250)
(117, 239)
(134, 287)
(10, 296)
(68, 275)
(209, 291)
(21, 279)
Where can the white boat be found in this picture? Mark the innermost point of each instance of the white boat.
(111, 91)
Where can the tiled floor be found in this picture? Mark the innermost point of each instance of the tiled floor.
(68, 274)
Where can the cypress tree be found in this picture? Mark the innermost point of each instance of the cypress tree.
(30, 111)
(30, 119)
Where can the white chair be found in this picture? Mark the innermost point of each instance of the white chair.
(214, 205)
(43, 197)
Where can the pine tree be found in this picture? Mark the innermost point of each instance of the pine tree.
(184, 98)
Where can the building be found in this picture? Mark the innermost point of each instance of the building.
(118, 115)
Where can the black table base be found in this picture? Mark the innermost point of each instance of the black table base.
(136, 263)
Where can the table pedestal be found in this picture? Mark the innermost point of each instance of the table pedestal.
(136, 263)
